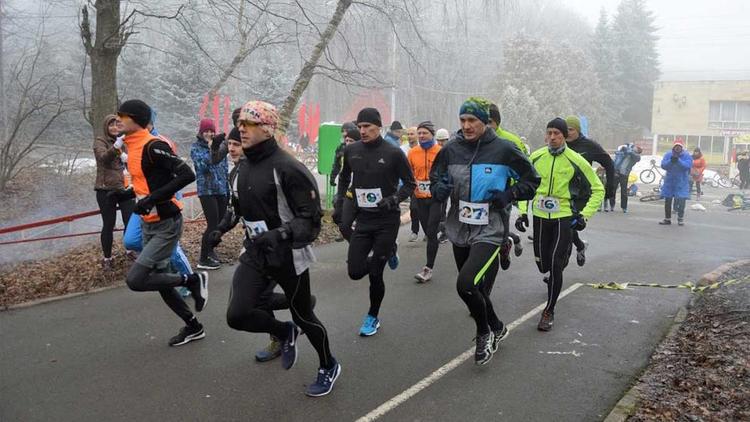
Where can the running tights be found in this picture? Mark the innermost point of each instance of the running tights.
(477, 267)
(428, 212)
(108, 209)
(214, 207)
(552, 250)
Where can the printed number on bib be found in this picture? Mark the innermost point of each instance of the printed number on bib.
(255, 228)
(368, 198)
(423, 186)
(548, 204)
(473, 213)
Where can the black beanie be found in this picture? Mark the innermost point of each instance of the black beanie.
(495, 113)
(234, 134)
(369, 115)
(354, 134)
(347, 126)
(559, 124)
(139, 111)
(396, 125)
(427, 125)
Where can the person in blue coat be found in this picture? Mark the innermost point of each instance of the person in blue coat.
(676, 186)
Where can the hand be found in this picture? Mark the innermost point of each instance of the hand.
(389, 203)
(217, 140)
(124, 157)
(675, 158)
(144, 206)
(501, 198)
(522, 222)
(269, 241)
(119, 141)
(577, 222)
(333, 181)
(441, 190)
(214, 238)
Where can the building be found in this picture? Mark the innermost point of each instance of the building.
(712, 115)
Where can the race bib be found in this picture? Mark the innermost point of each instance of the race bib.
(423, 186)
(548, 204)
(473, 213)
(368, 198)
(254, 228)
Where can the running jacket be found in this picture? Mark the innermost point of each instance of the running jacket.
(510, 136)
(376, 165)
(591, 151)
(475, 168)
(155, 171)
(421, 161)
(565, 177)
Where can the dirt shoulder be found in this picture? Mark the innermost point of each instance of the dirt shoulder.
(702, 372)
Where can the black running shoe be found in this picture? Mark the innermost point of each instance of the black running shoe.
(518, 247)
(199, 289)
(209, 264)
(581, 255)
(545, 323)
(483, 351)
(188, 334)
(497, 337)
(505, 254)
(289, 347)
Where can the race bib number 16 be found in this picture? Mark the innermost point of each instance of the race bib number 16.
(548, 204)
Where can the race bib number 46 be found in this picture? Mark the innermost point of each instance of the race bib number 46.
(368, 198)
(548, 204)
(254, 228)
(473, 213)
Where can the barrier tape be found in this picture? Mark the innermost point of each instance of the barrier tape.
(689, 285)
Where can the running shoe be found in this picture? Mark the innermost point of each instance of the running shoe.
(209, 264)
(581, 254)
(442, 237)
(198, 286)
(289, 347)
(188, 334)
(665, 222)
(324, 383)
(483, 351)
(624, 210)
(424, 276)
(369, 327)
(394, 260)
(517, 247)
(413, 237)
(270, 352)
(545, 323)
(545, 279)
(680, 222)
(107, 264)
(497, 337)
(505, 254)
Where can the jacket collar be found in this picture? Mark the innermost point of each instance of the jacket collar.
(261, 151)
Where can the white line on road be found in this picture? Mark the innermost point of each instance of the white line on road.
(443, 370)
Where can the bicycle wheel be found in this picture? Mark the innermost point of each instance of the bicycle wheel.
(724, 182)
(650, 198)
(648, 176)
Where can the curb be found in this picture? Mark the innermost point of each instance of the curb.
(625, 407)
(56, 298)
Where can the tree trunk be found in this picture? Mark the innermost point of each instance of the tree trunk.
(306, 74)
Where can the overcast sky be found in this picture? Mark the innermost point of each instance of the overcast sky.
(699, 39)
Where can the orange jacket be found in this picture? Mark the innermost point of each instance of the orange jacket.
(699, 164)
(421, 160)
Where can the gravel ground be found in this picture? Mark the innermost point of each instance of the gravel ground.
(702, 373)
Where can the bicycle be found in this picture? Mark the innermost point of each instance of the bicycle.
(655, 194)
(648, 176)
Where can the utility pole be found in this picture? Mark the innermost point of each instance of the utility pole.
(394, 58)
(3, 100)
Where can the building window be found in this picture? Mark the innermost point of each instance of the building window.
(729, 115)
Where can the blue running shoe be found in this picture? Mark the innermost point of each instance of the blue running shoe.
(324, 384)
(289, 347)
(370, 326)
(394, 260)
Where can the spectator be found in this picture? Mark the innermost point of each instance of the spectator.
(625, 158)
(696, 172)
(743, 165)
(676, 187)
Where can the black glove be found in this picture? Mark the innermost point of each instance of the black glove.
(214, 238)
(333, 181)
(441, 190)
(144, 206)
(501, 198)
(389, 203)
(577, 222)
(271, 244)
(522, 222)
(675, 158)
(217, 140)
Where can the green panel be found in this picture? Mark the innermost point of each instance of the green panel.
(329, 138)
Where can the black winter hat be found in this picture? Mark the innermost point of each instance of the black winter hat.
(354, 134)
(347, 126)
(369, 115)
(234, 135)
(396, 125)
(137, 110)
(427, 125)
(560, 124)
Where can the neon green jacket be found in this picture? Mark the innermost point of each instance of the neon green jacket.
(510, 136)
(565, 177)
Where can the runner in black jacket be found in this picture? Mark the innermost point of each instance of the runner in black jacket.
(591, 151)
(279, 206)
(371, 174)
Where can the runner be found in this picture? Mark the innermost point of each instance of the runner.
(566, 177)
(374, 168)
(421, 158)
(474, 171)
(157, 174)
(591, 151)
(279, 206)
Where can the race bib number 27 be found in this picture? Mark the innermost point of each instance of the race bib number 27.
(473, 213)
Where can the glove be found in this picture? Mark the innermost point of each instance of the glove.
(388, 204)
(578, 222)
(144, 206)
(124, 157)
(217, 140)
(119, 141)
(522, 222)
(501, 198)
(675, 158)
(333, 181)
(214, 238)
(441, 190)
(338, 206)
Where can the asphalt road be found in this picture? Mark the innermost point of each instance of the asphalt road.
(105, 356)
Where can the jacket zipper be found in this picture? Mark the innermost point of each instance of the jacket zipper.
(551, 181)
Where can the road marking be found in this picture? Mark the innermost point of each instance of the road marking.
(445, 369)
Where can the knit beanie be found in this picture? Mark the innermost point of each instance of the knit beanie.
(137, 110)
(353, 134)
(369, 115)
(347, 126)
(427, 125)
(476, 109)
(559, 124)
(234, 135)
(495, 113)
(574, 122)
(206, 124)
(396, 125)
